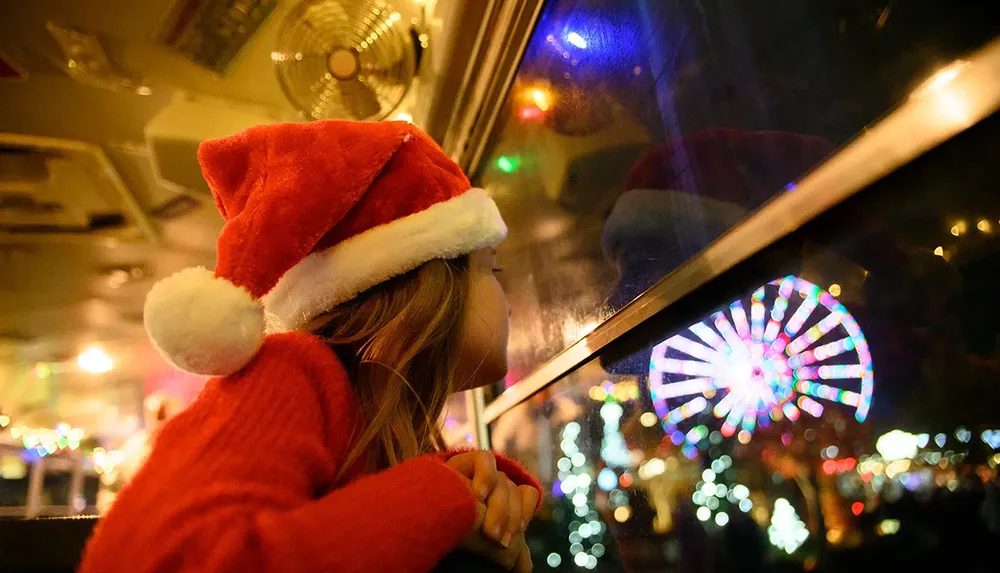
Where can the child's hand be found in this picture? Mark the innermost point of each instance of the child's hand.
(515, 558)
(508, 507)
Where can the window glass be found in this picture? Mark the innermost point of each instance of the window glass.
(456, 425)
(828, 405)
(637, 131)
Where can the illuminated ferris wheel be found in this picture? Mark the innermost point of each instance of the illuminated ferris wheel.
(798, 348)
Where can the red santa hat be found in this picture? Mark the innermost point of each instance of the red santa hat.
(691, 189)
(316, 213)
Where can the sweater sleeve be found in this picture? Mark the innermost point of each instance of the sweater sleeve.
(234, 484)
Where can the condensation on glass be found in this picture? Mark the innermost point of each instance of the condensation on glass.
(831, 407)
(637, 131)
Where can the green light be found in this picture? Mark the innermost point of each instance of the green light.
(506, 164)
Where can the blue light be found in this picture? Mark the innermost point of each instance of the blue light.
(577, 40)
(607, 480)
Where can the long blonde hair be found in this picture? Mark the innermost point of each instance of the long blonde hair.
(399, 343)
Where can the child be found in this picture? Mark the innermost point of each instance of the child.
(317, 449)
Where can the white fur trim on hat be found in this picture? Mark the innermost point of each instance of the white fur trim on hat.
(327, 278)
(673, 216)
(203, 324)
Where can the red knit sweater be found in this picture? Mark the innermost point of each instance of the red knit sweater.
(242, 481)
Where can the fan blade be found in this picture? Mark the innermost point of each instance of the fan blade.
(359, 100)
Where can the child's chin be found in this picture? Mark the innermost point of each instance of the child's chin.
(486, 376)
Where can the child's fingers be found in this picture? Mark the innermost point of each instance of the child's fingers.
(529, 503)
(495, 523)
(486, 476)
(480, 515)
(481, 467)
(513, 520)
(523, 563)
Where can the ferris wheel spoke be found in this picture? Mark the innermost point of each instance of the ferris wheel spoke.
(825, 392)
(838, 372)
(693, 348)
(750, 418)
(725, 404)
(810, 406)
(800, 316)
(790, 411)
(757, 315)
(688, 367)
(724, 327)
(778, 309)
(684, 412)
(733, 419)
(814, 333)
(779, 344)
(709, 337)
(821, 353)
(740, 319)
(688, 387)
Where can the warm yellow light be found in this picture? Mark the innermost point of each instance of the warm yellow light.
(542, 99)
(4, 420)
(403, 116)
(834, 536)
(984, 226)
(939, 251)
(951, 101)
(888, 527)
(835, 289)
(95, 360)
(648, 419)
(622, 514)
(598, 393)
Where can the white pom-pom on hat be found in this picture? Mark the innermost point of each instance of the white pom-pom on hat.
(203, 324)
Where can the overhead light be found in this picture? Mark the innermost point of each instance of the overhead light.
(403, 116)
(835, 289)
(542, 98)
(984, 226)
(577, 40)
(95, 360)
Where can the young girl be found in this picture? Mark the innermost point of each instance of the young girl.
(369, 258)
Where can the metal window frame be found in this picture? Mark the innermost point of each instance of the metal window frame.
(497, 53)
(949, 102)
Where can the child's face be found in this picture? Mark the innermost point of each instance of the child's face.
(484, 325)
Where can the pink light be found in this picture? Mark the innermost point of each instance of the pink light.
(530, 113)
(829, 467)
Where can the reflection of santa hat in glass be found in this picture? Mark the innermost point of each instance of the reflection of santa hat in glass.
(684, 193)
(316, 213)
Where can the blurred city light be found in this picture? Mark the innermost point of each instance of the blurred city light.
(95, 360)
(897, 445)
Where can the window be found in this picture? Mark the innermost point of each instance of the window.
(638, 131)
(828, 404)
